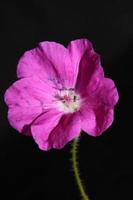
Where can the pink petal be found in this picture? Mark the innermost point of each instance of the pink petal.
(42, 127)
(49, 60)
(88, 119)
(95, 122)
(97, 109)
(54, 62)
(104, 119)
(90, 72)
(68, 128)
(107, 92)
(28, 98)
(77, 49)
(60, 59)
(34, 62)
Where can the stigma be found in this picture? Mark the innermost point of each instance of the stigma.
(68, 101)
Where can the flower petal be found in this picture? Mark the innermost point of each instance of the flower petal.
(90, 72)
(54, 62)
(88, 119)
(95, 122)
(104, 119)
(68, 128)
(77, 48)
(97, 109)
(27, 98)
(107, 92)
(61, 59)
(49, 60)
(34, 62)
(43, 125)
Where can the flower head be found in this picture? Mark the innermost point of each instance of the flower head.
(60, 92)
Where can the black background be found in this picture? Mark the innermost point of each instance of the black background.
(105, 162)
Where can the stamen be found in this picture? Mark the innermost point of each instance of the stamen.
(68, 101)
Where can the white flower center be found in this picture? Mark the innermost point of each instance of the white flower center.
(68, 101)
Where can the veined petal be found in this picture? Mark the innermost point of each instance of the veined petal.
(27, 98)
(61, 62)
(52, 61)
(43, 125)
(107, 92)
(77, 49)
(68, 128)
(49, 60)
(96, 121)
(90, 72)
(34, 62)
(104, 119)
(88, 119)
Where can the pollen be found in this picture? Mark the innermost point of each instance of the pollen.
(68, 101)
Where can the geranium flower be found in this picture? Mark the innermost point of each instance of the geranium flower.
(60, 92)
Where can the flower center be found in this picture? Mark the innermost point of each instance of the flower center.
(68, 101)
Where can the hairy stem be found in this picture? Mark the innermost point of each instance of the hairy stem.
(76, 170)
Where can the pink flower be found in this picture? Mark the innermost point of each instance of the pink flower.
(60, 92)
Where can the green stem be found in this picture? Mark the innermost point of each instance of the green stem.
(76, 170)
